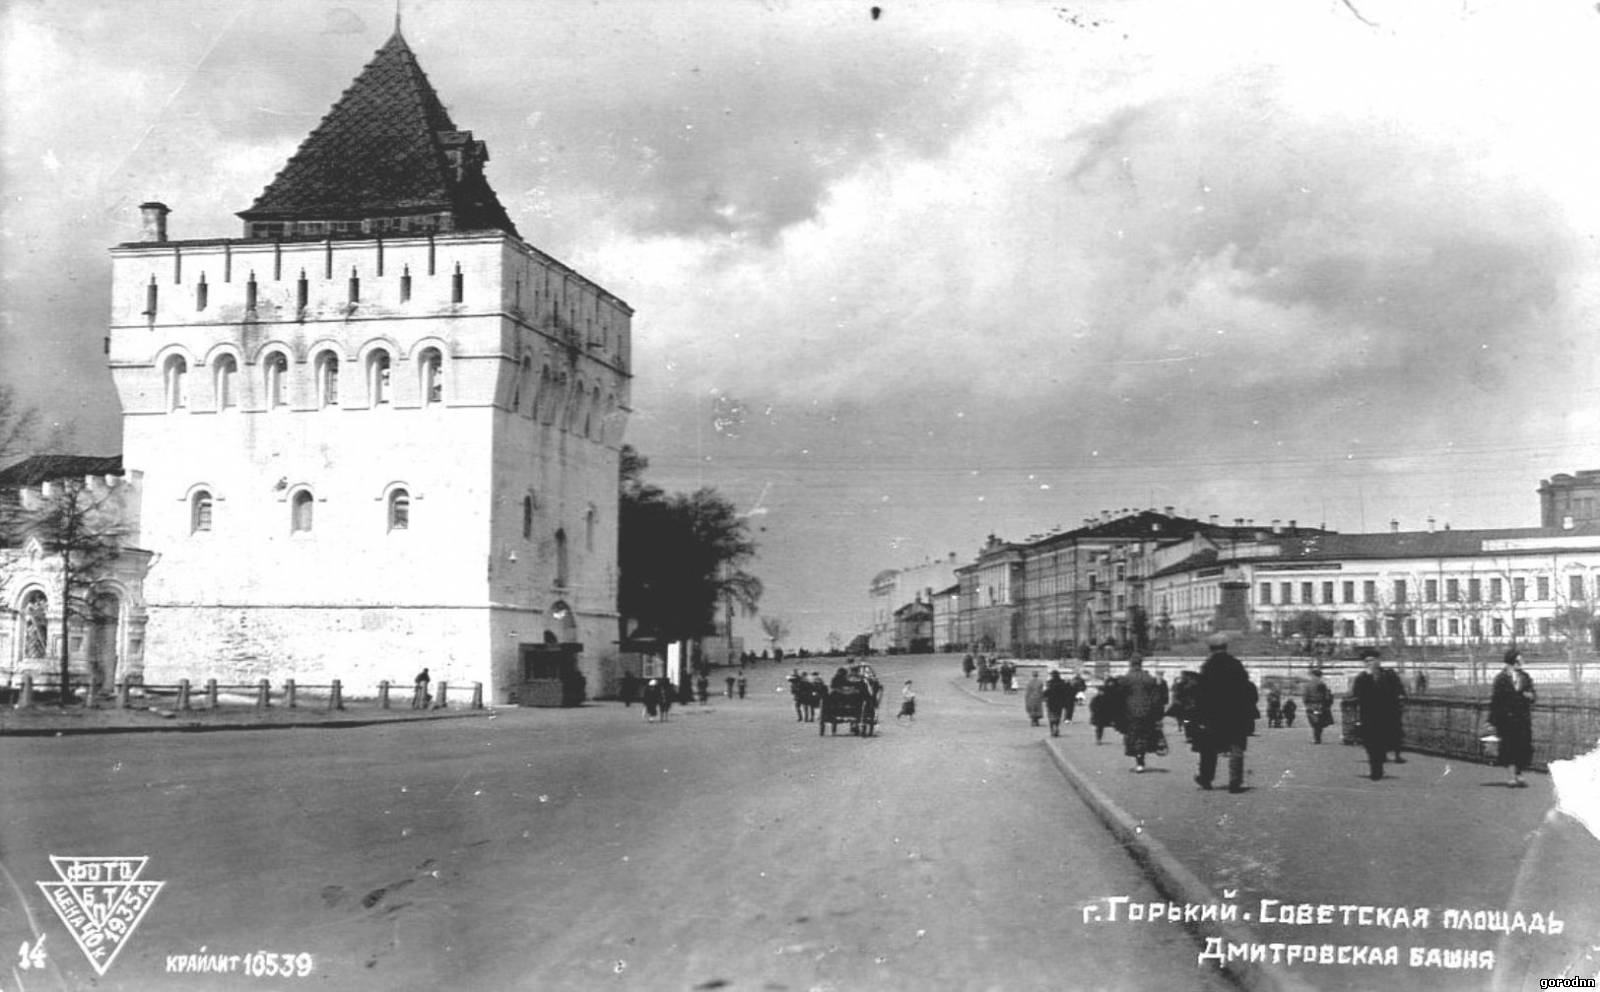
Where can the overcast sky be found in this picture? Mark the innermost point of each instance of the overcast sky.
(957, 270)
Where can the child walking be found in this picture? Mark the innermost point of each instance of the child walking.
(908, 703)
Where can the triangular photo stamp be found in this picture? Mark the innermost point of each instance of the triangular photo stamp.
(101, 901)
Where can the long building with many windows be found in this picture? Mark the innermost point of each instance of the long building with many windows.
(1143, 578)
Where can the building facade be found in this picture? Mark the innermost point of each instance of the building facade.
(380, 430)
(96, 605)
(894, 588)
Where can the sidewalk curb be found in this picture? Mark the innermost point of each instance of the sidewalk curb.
(1173, 879)
(200, 728)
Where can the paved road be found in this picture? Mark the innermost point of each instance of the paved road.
(580, 849)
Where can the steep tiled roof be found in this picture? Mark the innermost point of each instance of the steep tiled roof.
(385, 150)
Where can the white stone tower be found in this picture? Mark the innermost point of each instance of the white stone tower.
(378, 432)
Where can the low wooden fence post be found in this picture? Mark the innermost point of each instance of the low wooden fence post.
(183, 694)
(439, 701)
(477, 695)
(288, 693)
(336, 696)
(211, 693)
(263, 691)
(383, 694)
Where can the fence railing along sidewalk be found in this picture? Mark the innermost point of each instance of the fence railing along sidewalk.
(1455, 727)
(183, 695)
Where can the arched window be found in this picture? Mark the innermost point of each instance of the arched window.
(177, 370)
(527, 517)
(561, 558)
(276, 370)
(327, 367)
(378, 377)
(227, 382)
(432, 383)
(35, 625)
(200, 512)
(300, 512)
(399, 510)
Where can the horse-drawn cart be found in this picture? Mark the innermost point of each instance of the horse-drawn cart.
(854, 703)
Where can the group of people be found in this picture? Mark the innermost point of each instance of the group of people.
(1217, 709)
(656, 695)
(809, 692)
(992, 673)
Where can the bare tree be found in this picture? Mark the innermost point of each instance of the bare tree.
(1575, 622)
(776, 629)
(81, 526)
(19, 426)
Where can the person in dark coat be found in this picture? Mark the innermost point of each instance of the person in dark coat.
(1078, 687)
(1319, 705)
(1377, 693)
(420, 697)
(1057, 694)
(1290, 708)
(1225, 714)
(968, 666)
(1143, 703)
(1105, 708)
(1511, 713)
(1274, 708)
(654, 699)
(816, 694)
(799, 689)
(629, 689)
(742, 685)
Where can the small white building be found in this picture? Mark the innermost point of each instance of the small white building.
(104, 609)
(380, 430)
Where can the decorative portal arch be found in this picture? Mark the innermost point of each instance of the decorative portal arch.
(34, 626)
(560, 624)
(104, 622)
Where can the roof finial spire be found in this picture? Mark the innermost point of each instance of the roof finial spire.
(396, 16)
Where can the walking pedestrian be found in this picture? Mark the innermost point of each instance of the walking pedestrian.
(728, 682)
(1511, 712)
(1319, 705)
(741, 683)
(1105, 708)
(968, 666)
(629, 690)
(1057, 693)
(1033, 699)
(1078, 687)
(1274, 707)
(1225, 711)
(1142, 701)
(908, 703)
(702, 687)
(653, 700)
(1377, 693)
(419, 695)
(815, 697)
(1290, 708)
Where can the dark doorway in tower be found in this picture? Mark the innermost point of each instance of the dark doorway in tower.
(549, 668)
